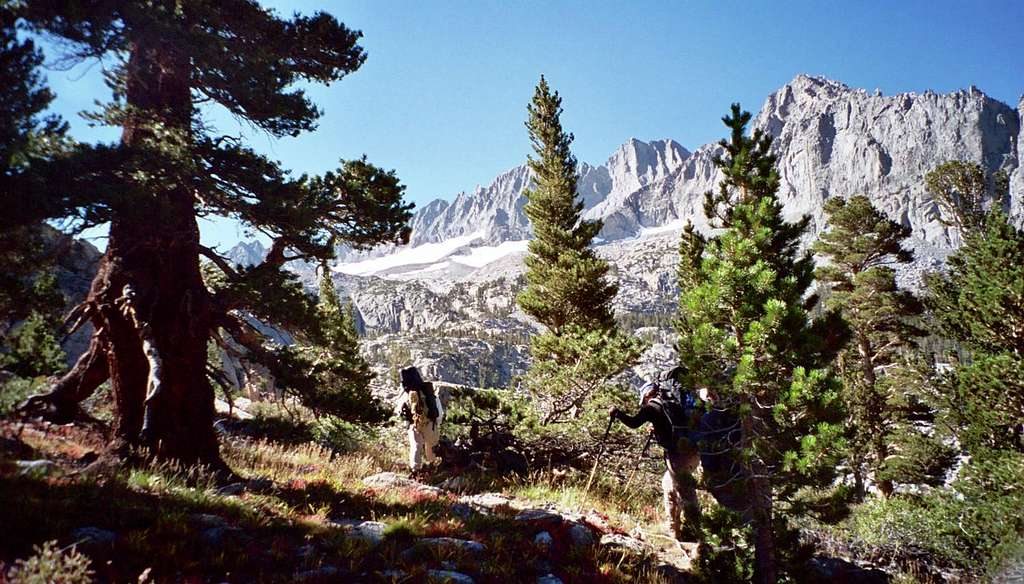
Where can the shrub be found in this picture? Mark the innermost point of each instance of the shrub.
(49, 564)
(17, 389)
(31, 348)
(977, 525)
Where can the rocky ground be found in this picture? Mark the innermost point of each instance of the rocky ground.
(297, 512)
(300, 513)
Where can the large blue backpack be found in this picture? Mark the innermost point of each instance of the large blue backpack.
(682, 409)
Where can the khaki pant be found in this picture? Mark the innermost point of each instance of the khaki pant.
(423, 437)
(679, 493)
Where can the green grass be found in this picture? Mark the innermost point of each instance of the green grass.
(625, 508)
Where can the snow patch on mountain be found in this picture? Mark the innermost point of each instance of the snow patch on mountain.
(479, 257)
(405, 257)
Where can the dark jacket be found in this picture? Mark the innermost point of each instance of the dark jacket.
(671, 422)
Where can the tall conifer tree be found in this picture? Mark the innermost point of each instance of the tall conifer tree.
(568, 287)
(567, 284)
(746, 334)
(862, 245)
(150, 309)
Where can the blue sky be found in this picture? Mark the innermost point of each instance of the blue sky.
(442, 97)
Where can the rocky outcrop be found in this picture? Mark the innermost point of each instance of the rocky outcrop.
(836, 141)
(1017, 176)
(75, 264)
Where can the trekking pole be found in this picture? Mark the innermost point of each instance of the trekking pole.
(639, 457)
(600, 453)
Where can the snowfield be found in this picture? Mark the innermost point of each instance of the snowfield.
(419, 256)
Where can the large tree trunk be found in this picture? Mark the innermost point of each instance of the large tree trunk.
(765, 555)
(159, 313)
(150, 308)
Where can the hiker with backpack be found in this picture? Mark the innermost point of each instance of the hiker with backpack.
(674, 416)
(423, 411)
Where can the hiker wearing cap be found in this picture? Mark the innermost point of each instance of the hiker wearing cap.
(674, 417)
(423, 411)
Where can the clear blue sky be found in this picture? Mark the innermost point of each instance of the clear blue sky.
(442, 96)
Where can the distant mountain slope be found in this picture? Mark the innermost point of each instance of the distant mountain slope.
(458, 277)
(831, 141)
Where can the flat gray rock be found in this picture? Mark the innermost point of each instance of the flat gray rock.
(488, 502)
(448, 577)
(371, 531)
(467, 545)
(393, 480)
(542, 516)
(623, 542)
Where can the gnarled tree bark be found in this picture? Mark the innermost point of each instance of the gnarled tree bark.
(150, 308)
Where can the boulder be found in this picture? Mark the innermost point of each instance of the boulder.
(370, 531)
(442, 544)
(543, 540)
(541, 518)
(462, 511)
(580, 535)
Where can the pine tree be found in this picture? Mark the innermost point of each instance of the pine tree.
(30, 348)
(29, 299)
(979, 303)
(150, 309)
(744, 332)
(567, 284)
(340, 376)
(965, 194)
(861, 246)
(568, 288)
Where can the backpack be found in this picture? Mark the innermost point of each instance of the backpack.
(679, 408)
(430, 399)
(411, 378)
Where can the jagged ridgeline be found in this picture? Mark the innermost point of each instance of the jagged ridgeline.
(448, 299)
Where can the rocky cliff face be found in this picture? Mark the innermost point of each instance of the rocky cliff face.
(1017, 177)
(75, 264)
(836, 141)
(831, 141)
